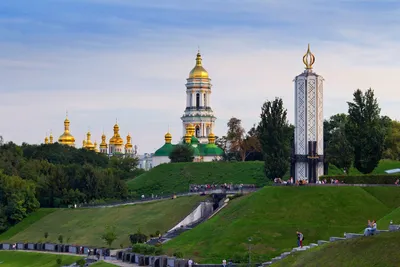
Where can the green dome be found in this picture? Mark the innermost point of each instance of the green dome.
(164, 151)
(213, 150)
(196, 152)
(194, 140)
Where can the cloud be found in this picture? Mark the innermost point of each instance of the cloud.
(140, 78)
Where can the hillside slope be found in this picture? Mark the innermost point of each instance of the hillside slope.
(85, 226)
(377, 251)
(176, 177)
(32, 259)
(272, 216)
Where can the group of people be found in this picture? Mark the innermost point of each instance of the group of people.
(371, 228)
(225, 186)
(291, 181)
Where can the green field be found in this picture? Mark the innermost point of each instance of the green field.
(176, 177)
(33, 259)
(272, 216)
(376, 251)
(102, 264)
(85, 226)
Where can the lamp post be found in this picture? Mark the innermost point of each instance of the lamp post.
(250, 251)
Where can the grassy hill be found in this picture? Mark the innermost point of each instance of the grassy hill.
(85, 226)
(33, 259)
(174, 178)
(377, 251)
(272, 216)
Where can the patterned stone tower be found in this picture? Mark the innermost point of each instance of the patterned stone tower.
(308, 147)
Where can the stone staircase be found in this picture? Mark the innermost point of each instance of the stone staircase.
(392, 228)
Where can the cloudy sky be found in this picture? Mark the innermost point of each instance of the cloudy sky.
(129, 59)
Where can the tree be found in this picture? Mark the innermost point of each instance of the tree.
(109, 235)
(364, 130)
(139, 237)
(182, 153)
(275, 135)
(392, 141)
(339, 151)
(240, 143)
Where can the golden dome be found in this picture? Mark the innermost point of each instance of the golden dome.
(51, 138)
(46, 140)
(103, 143)
(168, 138)
(66, 138)
(211, 138)
(95, 147)
(88, 143)
(116, 139)
(188, 138)
(128, 142)
(198, 71)
(190, 129)
(308, 59)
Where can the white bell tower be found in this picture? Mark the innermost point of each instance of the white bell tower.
(198, 107)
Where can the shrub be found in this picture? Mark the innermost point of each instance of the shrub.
(146, 249)
(81, 262)
(178, 254)
(363, 179)
(138, 238)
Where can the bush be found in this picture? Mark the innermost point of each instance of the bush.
(363, 179)
(81, 262)
(138, 238)
(146, 249)
(178, 254)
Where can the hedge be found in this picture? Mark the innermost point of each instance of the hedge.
(363, 179)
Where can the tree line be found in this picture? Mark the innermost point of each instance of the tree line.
(360, 138)
(54, 175)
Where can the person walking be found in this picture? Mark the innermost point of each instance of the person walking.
(300, 238)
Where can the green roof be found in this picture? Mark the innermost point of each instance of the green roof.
(212, 150)
(194, 140)
(164, 151)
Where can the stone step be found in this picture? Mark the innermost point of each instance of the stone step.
(313, 245)
(334, 238)
(353, 235)
(276, 259)
(382, 231)
(321, 242)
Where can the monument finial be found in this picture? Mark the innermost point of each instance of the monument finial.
(308, 59)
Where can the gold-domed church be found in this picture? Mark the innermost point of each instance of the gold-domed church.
(115, 146)
(198, 120)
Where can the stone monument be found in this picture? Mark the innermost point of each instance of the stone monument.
(307, 161)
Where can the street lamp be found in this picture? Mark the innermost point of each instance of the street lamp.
(249, 239)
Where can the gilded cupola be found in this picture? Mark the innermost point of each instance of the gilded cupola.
(188, 135)
(128, 144)
(198, 71)
(88, 144)
(66, 138)
(211, 138)
(46, 140)
(190, 129)
(168, 138)
(51, 139)
(116, 139)
(96, 149)
(103, 143)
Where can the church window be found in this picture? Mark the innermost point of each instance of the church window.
(197, 100)
(197, 131)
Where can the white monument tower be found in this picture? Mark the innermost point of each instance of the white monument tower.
(198, 110)
(308, 147)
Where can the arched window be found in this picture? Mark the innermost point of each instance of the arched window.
(197, 131)
(197, 100)
(205, 100)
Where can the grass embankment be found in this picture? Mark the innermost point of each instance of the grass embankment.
(272, 216)
(102, 264)
(32, 259)
(177, 177)
(85, 226)
(378, 251)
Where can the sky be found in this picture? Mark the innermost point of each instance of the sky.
(103, 60)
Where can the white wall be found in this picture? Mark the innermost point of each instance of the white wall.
(203, 209)
(160, 160)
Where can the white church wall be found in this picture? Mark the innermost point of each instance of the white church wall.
(159, 160)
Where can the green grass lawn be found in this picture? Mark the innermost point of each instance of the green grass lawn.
(33, 259)
(32, 218)
(102, 264)
(272, 216)
(176, 177)
(85, 226)
(373, 251)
